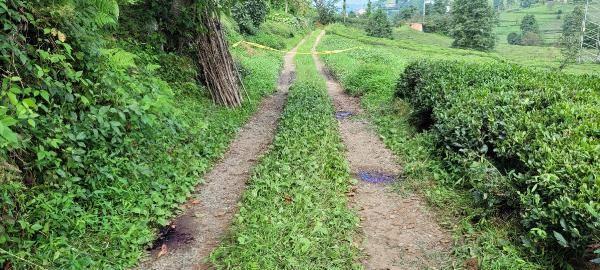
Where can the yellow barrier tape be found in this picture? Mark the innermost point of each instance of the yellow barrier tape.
(302, 53)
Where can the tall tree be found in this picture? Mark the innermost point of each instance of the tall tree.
(378, 25)
(570, 40)
(530, 24)
(473, 25)
(325, 10)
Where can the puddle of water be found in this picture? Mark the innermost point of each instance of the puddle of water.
(376, 177)
(343, 115)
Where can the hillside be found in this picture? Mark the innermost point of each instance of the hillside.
(545, 57)
(267, 134)
(550, 18)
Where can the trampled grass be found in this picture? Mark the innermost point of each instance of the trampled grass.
(294, 213)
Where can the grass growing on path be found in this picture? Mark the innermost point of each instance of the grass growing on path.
(372, 73)
(294, 212)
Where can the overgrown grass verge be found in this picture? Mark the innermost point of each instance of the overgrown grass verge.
(294, 213)
(110, 172)
(372, 73)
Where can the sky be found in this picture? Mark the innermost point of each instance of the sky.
(356, 4)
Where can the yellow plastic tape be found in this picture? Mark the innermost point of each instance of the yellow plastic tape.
(276, 50)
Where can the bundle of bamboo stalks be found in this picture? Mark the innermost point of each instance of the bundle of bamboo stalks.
(220, 74)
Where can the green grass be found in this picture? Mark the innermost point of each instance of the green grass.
(544, 57)
(294, 213)
(546, 16)
(493, 242)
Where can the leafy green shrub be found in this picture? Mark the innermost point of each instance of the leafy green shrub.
(250, 14)
(529, 24)
(532, 135)
(286, 19)
(279, 29)
(513, 38)
(531, 39)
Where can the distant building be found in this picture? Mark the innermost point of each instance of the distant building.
(417, 26)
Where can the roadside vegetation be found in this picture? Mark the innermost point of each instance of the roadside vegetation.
(104, 134)
(294, 213)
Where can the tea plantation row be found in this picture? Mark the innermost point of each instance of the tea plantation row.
(524, 140)
(484, 195)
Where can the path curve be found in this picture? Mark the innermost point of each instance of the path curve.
(396, 232)
(209, 213)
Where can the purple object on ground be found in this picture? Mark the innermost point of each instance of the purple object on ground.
(376, 177)
(343, 114)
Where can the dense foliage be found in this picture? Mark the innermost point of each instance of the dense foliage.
(378, 25)
(438, 19)
(530, 33)
(473, 23)
(326, 10)
(249, 15)
(104, 129)
(524, 140)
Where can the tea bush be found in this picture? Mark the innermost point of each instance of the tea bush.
(494, 241)
(525, 140)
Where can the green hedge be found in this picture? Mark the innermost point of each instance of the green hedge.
(525, 141)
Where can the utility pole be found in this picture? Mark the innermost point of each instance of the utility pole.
(590, 32)
(424, 7)
(583, 22)
(344, 12)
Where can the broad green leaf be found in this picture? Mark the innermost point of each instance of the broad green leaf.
(561, 240)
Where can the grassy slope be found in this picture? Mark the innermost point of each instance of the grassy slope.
(294, 213)
(546, 16)
(372, 72)
(536, 56)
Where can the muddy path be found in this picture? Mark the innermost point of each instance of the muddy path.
(396, 232)
(196, 232)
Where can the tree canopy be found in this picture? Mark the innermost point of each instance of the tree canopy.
(473, 23)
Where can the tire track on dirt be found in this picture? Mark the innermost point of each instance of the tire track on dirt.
(208, 215)
(396, 232)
